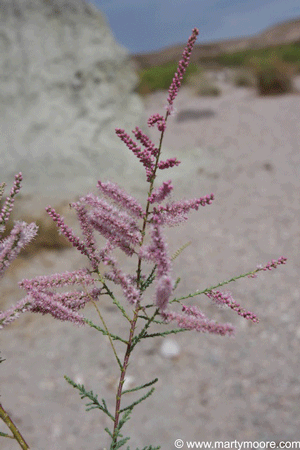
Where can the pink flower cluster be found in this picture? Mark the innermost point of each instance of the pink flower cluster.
(63, 306)
(148, 156)
(159, 194)
(9, 202)
(193, 319)
(182, 66)
(118, 222)
(174, 213)
(21, 233)
(224, 298)
(10, 246)
(269, 266)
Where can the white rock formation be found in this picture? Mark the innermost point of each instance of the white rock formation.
(65, 85)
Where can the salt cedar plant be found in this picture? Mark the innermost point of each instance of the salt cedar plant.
(124, 223)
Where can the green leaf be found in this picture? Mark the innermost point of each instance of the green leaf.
(130, 407)
(177, 253)
(141, 387)
(95, 403)
(149, 280)
(104, 332)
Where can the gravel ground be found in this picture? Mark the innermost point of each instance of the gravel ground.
(245, 150)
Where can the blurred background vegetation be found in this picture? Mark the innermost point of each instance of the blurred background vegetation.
(269, 70)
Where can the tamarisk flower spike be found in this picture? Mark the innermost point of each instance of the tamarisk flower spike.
(9, 202)
(80, 277)
(119, 196)
(156, 252)
(63, 306)
(224, 298)
(171, 162)
(115, 225)
(158, 120)
(68, 232)
(159, 194)
(46, 303)
(21, 234)
(11, 314)
(174, 213)
(194, 319)
(163, 291)
(118, 225)
(10, 246)
(146, 141)
(146, 156)
(269, 266)
(88, 231)
(182, 66)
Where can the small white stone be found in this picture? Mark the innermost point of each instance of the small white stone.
(169, 348)
(128, 382)
(79, 379)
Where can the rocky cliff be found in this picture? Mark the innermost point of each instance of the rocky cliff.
(65, 85)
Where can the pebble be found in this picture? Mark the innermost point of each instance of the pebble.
(169, 348)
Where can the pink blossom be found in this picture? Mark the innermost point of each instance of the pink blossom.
(144, 156)
(159, 120)
(174, 213)
(269, 266)
(146, 141)
(168, 163)
(9, 202)
(112, 223)
(124, 200)
(47, 303)
(19, 237)
(182, 66)
(163, 291)
(80, 277)
(68, 232)
(198, 322)
(224, 298)
(193, 311)
(157, 252)
(63, 306)
(131, 293)
(88, 231)
(159, 194)
(11, 314)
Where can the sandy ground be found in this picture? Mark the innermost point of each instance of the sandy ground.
(245, 150)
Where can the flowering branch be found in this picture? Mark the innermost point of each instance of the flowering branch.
(124, 224)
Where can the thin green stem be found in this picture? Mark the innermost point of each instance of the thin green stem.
(110, 293)
(214, 287)
(16, 433)
(138, 307)
(108, 334)
(123, 373)
(106, 329)
(148, 203)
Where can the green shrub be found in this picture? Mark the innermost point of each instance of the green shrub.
(289, 53)
(208, 90)
(158, 77)
(273, 75)
(243, 79)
